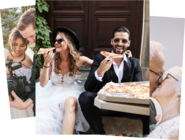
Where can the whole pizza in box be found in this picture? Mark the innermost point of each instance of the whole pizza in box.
(131, 90)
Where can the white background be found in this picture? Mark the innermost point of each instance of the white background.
(169, 31)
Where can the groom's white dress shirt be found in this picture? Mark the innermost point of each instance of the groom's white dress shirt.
(118, 70)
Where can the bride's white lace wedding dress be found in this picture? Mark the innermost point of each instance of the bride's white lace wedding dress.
(166, 130)
(50, 104)
(16, 113)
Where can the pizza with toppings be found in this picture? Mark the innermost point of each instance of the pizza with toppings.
(111, 55)
(137, 91)
(44, 50)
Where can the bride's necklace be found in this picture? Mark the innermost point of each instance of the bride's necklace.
(169, 117)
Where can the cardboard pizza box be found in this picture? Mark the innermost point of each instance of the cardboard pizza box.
(122, 107)
(123, 99)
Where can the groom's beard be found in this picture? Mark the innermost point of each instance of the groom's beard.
(119, 52)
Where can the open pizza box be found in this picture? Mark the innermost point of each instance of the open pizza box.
(122, 107)
(123, 97)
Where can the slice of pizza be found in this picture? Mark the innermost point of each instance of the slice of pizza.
(44, 50)
(111, 55)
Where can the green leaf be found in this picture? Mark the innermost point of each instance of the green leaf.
(45, 8)
(152, 127)
(43, 21)
(43, 2)
(47, 33)
(42, 32)
(41, 37)
(43, 41)
(40, 9)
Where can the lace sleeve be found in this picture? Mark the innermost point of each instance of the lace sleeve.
(166, 130)
(174, 129)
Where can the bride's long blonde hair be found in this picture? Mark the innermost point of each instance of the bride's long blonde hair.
(73, 53)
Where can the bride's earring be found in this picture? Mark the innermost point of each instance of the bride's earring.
(180, 105)
(178, 97)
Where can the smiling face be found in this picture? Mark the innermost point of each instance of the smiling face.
(29, 33)
(18, 48)
(61, 44)
(120, 42)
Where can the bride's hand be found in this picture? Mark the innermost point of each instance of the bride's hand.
(17, 102)
(128, 53)
(48, 58)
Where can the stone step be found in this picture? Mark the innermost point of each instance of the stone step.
(120, 125)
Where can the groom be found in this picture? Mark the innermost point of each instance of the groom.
(103, 71)
(26, 26)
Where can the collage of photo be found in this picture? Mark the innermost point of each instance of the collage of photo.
(94, 68)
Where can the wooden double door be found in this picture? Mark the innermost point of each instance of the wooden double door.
(94, 21)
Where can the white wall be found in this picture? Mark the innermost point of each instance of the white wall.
(169, 32)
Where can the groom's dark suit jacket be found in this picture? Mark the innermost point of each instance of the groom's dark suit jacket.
(132, 72)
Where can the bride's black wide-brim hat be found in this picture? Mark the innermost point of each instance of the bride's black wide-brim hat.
(70, 32)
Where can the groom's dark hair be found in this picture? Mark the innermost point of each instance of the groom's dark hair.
(27, 18)
(120, 29)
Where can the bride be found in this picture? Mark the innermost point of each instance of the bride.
(168, 95)
(17, 53)
(57, 108)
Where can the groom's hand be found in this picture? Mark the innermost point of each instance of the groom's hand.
(104, 66)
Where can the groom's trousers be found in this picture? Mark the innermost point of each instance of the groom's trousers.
(93, 114)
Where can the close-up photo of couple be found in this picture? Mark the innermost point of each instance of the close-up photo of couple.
(93, 68)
